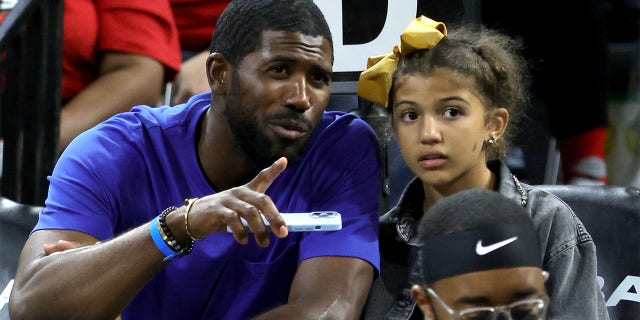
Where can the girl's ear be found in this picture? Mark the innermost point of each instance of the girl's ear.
(217, 75)
(422, 300)
(497, 123)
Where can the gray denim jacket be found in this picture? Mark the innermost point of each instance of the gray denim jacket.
(569, 254)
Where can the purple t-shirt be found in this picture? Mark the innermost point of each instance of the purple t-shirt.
(125, 171)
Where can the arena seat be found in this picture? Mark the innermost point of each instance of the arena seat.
(16, 222)
(611, 214)
(30, 69)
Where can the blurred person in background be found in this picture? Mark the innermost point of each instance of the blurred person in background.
(195, 20)
(116, 54)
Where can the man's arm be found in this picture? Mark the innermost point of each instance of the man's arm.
(125, 80)
(192, 78)
(90, 282)
(97, 281)
(326, 288)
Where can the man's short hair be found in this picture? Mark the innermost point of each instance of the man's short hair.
(239, 28)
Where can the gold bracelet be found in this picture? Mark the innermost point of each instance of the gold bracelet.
(189, 203)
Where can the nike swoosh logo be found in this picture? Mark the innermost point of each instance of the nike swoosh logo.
(482, 250)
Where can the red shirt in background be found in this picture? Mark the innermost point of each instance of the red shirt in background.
(133, 26)
(196, 20)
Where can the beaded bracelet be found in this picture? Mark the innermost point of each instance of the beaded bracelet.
(168, 252)
(165, 232)
(171, 240)
(167, 238)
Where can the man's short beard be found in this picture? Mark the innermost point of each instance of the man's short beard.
(247, 135)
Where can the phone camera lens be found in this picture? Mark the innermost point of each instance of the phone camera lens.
(318, 214)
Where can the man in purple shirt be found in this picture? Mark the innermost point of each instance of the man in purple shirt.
(147, 195)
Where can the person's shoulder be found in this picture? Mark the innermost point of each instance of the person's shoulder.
(340, 122)
(545, 200)
(140, 117)
(331, 116)
(142, 122)
(555, 218)
(164, 116)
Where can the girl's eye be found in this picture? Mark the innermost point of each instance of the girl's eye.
(451, 113)
(409, 116)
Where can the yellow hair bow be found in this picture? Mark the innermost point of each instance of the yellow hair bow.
(375, 81)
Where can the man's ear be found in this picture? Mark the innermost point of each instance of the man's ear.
(422, 300)
(218, 73)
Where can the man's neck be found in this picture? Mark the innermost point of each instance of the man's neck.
(224, 165)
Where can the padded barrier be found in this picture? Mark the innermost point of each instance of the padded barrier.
(611, 214)
(30, 75)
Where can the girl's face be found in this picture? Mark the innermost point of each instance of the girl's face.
(439, 122)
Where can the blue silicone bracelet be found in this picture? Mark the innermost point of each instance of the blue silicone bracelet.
(157, 239)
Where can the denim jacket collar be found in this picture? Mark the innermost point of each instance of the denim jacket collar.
(406, 214)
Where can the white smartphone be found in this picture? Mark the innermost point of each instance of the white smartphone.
(308, 221)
